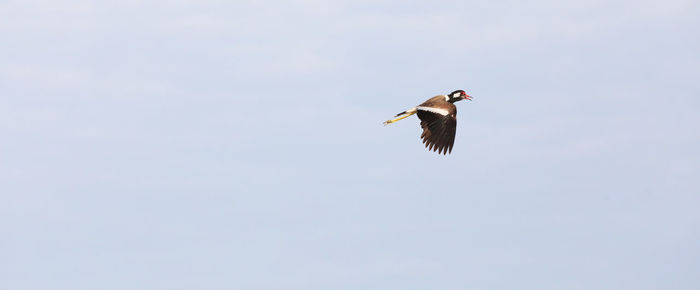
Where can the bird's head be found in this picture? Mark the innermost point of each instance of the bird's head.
(458, 95)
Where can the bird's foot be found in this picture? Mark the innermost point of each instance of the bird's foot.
(408, 114)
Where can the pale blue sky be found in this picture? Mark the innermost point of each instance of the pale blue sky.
(239, 145)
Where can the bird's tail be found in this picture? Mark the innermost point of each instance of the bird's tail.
(408, 113)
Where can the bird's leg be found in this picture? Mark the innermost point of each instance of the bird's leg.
(407, 114)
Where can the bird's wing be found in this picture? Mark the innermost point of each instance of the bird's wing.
(439, 127)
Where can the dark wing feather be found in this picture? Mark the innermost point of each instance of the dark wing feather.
(438, 131)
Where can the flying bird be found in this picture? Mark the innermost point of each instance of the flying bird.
(438, 118)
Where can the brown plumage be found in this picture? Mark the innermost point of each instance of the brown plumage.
(438, 117)
(438, 130)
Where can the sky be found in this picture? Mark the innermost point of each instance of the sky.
(239, 145)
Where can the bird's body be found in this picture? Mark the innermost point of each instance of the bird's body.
(438, 117)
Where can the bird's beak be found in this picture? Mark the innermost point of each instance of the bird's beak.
(468, 97)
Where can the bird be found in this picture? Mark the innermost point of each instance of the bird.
(438, 118)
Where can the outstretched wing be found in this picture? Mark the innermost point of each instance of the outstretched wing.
(439, 127)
